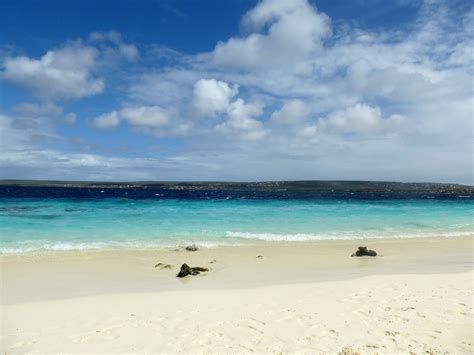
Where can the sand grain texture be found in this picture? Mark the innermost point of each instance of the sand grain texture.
(384, 314)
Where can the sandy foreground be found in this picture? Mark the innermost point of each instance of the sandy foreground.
(416, 296)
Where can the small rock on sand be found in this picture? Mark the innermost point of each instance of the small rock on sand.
(363, 251)
(187, 270)
(163, 266)
(191, 248)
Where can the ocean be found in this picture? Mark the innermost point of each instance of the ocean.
(61, 218)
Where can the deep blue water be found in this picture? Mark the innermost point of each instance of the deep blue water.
(160, 193)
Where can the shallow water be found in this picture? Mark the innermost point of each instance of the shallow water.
(69, 219)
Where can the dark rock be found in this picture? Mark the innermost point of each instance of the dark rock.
(187, 270)
(363, 251)
(191, 248)
(259, 256)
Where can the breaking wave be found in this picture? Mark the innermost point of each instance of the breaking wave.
(302, 237)
(230, 239)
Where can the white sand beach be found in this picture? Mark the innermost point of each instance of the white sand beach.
(415, 297)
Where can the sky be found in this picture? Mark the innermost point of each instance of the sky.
(237, 90)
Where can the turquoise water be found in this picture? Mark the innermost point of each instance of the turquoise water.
(29, 224)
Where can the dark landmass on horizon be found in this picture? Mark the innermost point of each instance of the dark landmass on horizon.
(290, 186)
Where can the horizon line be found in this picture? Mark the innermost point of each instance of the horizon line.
(228, 181)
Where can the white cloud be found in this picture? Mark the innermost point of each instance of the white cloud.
(360, 119)
(211, 97)
(147, 116)
(69, 72)
(308, 131)
(241, 121)
(292, 112)
(107, 120)
(59, 74)
(290, 32)
(241, 115)
(171, 87)
(144, 118)
(128, 51)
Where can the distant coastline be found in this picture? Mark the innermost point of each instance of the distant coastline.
(290, 186)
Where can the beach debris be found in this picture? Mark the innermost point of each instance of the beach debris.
(187, 270)
(348, 351)
(212, 261)
(191, 248)
(374, 346)
(363, 251)
(259, 256)
(163, 266)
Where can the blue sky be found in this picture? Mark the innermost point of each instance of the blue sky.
(237, 90)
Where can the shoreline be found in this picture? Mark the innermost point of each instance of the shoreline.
(228, 242)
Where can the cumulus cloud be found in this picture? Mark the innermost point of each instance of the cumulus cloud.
(69, 72)
(143, 118)
(282, 33)
(148, 116)
(59, 74)
(211, 97)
